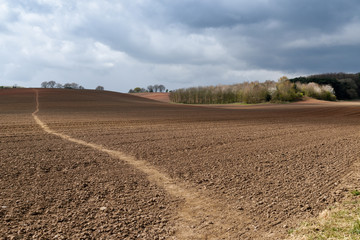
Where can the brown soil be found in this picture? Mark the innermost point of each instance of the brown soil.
(161, 97)
(106, 165)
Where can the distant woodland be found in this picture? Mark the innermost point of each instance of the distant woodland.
(284, 90)
(346, 86)
(53, 84)
(150, 88)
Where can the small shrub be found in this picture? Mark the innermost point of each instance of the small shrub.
(355, 192)
(356, 227)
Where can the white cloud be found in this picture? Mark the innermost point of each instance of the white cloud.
(124, 44)
(4, 11)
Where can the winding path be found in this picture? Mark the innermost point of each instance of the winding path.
(198, 218)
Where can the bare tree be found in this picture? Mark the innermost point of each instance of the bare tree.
(99, 88)
(44, 84)
(58, 85)
(68, 86)
(156, 88)
(51, 84)
(161, 88)
(75, 86)
(150, 88)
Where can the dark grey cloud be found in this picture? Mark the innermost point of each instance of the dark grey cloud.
(325, 59)
(218, 14)
(178, 42)
(324, 15)
(255, 31)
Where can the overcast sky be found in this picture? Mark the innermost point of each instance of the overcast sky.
(177, 43)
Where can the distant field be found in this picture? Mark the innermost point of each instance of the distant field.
(98, 164)
(162, 97)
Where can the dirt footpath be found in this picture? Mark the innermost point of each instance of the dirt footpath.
(53, 189)
(247, 173)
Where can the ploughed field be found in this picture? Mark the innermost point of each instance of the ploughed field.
(106, 165)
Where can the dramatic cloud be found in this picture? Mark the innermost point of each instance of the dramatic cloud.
(178, 43)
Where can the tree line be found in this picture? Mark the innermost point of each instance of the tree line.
(150, 88)
(53, 84)
(14, 86)
(253, 92)
(345, 85)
